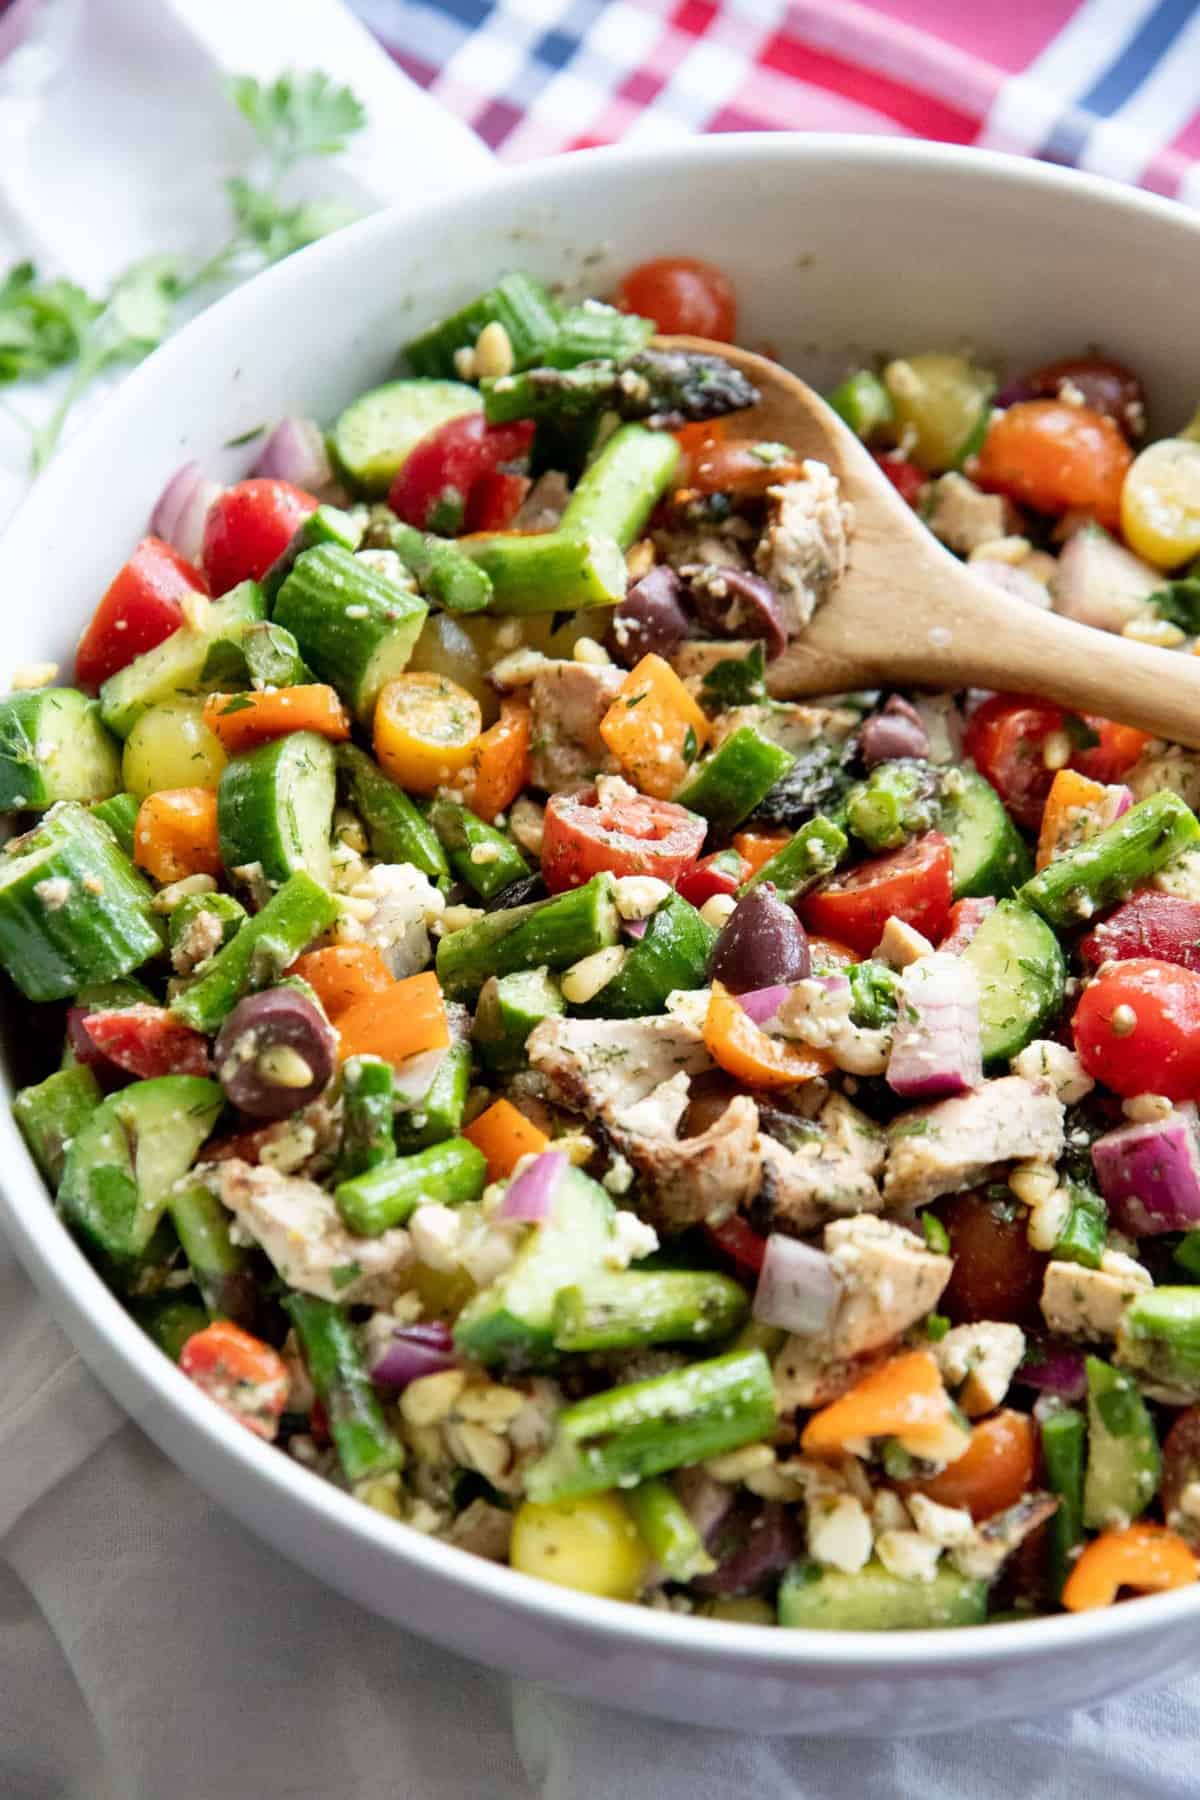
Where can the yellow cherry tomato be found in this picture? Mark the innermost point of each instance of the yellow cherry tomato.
(172, 747)
(426, 727)
(1160, 503)
(589, 1543)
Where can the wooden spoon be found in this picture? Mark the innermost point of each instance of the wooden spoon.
(907, 611)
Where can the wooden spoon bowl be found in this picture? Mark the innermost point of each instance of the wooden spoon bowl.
(908, 612)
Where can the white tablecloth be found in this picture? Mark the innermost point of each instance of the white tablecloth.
(149, 1647)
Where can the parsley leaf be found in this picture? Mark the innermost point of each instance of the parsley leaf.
(736, 681)
(298, 116)
(1179, 603)
(41, 323)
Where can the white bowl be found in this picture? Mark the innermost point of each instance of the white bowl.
(835, 245)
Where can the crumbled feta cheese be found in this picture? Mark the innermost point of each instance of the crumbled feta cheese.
(908, 1555)
(54, 892)
(637, 896)
(435, 1232)
(889, 1511)
(945, 1526)
(980, 1359)
(631, 1239)
(839, 1532)
(1043, 1060)
(403, 905)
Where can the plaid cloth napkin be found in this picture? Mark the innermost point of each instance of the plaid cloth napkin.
(1108, 85)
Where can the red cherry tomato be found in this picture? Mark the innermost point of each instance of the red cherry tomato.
(1115, 754)
(638, 836)
(963, 921)
(495, 501)
(721, 873)
(1104, 386)
(1162, 926)
(147, 1041)
(1137, 1029)
(140, 609)
(681, 294)
(436, 484)
(914, 884)
(1004, 740)
(248, 527)
(996, 1274)
(738, 1240)
(905, 475)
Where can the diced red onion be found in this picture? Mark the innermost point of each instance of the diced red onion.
(182, 508)
(634, 928)
(531, 1196)
(398, 1354)
(1055, 1369)
(936, 1044)
(295, 452)
(762, 1004)
(1100, 583)
(897, 730)
(1150, 1173)
(797, 1288)
(1117, 801)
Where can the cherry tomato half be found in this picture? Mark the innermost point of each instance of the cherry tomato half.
(1004, 740)
(914, 884)
(435, 489)
(636, 836)
(1137, 1029)
(495, 500)
(996, 1469)
(248, 527)
(139, 610)
(721, 873)
(906, 476)
(681, 294)
(1163, 926)
(1054, 458)
(997, 1274)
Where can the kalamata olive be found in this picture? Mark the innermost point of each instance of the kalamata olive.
(896, 730)
(650, 620)
(734, 603)
(1180, 1469)
(274, 1053)
(752, 1546)
(1102, 386)
(761, 944)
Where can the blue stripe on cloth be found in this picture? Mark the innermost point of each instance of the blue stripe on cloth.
(1119, 81)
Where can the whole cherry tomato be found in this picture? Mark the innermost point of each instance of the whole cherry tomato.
(1137, 1029)
(681, 294)
(1056, 458)
(140, 609)
(248, 527)
(581, 836)
(1103, 386)
(435, 489)
(914, 884)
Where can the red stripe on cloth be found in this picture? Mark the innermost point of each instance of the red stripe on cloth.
(1009, 37)
(772, 102)
(1166, 169)
(921, 114)
(694, 16)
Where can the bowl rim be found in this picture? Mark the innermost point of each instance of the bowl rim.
(48, 1248)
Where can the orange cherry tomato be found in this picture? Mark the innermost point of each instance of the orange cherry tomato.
(1056, 458)
(994, 1471)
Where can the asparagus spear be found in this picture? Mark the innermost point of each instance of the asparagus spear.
(368, 1106)
(552, 571)
(651, 1306)
(1063, 1436)
(812, 853)
(667, 1531)
(670, 387)
(51, 1113)
(365, 1442)
(219, 1266)
(486, 859)
(727, 787)
(443, 572)
(545, 934)
(447, 1174)
(896, 801)
(616, 495)
(1110, 865)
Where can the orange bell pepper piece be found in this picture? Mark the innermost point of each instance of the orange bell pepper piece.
(736, 1043)
(758, 847)
(342, 975)
(1146, 1557)
(175, 834)
(904, 1399)
(505, 1135)
(654, 728)
(500, 763)
(243, 720)
(398, 1022)
(1069, 792)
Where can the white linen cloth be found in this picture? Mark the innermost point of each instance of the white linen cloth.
(149, 1646)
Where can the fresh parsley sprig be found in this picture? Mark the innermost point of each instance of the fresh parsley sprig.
(46, 326)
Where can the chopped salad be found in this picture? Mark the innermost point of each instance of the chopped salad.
(694, 1146)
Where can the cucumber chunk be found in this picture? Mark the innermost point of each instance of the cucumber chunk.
(509, 1007)
(275, 807)
(518, 301)
(122, 1165)
(176, 666)
(821, 1599)
(53, 746)
(990, 856)
(512, 1320)
(52, 1113)
(1022, 978)
(73, 909)
(354, 627)
(673, 953)
(376, 432)
(1123, 1459)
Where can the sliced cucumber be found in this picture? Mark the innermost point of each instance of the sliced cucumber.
(508, 1009)
(176, 666)
(119, 814)
(356, 628)
(51, 1114)
(673, 953)
(275, 807)
(53, 746)
(518, 301)
(376, 432)
(1022, 978)
(1123, 1459)
(823, 1599)
(989, 854)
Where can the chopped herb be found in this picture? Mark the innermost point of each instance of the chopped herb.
(936, 1235)
(736, 681)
